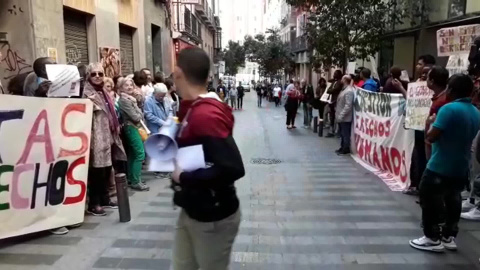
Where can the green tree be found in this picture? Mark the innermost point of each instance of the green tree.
(342, 30)
(269, 52)
(234, 57)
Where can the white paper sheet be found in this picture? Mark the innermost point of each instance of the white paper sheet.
(188, 159)
(351, 67)
(65, 80)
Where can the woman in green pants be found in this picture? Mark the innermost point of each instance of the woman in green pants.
(132, 117)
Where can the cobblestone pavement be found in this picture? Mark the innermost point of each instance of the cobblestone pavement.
(314, 210)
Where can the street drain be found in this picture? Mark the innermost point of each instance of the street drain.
(265, 161)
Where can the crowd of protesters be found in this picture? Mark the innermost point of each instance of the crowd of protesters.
(446, 158)
(126, 109)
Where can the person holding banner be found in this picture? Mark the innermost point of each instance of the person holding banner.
(106, 145)
(132, 117)
(344, 114)
(451, 135)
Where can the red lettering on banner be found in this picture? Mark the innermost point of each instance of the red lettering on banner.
(386, 159)
(404, 172)
(396, 160)
(33, 137)
(368, 149)
(81, 135)
(387, 129)
(72, 181)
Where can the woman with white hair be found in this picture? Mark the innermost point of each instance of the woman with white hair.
(157, 108)
(106, 146)
(132, 117)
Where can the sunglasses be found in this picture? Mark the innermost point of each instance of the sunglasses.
(95, 74)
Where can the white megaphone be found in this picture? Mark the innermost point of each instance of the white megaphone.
(162, 146)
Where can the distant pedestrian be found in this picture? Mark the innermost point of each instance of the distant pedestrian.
(344, 114)
(258, 89)
(241, 94)
(308, 96)
(232, 94)
(451, 134)
(276, 95)
(294, 96)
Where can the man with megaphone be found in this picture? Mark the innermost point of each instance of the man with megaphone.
(210, 216)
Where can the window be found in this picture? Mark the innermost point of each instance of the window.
(456, 8)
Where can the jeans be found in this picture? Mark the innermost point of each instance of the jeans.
(441, 203)
(240, 102)
(259, 101)
(345, 135)
(332, 117)
(233, 102)
(307, 114)
(204, 245)
(419, 159)
(135, 154)
(98, 184)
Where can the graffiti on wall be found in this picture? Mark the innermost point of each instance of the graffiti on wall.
(73, 54)
(11, 62)
(110, 59)
(14, 10)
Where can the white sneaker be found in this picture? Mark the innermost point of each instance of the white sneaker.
(449, 243)
(59, 231)
(427, 244)
(465, 194)
(467, 206)
(473, 214)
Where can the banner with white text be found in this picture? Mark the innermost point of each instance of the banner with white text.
(44, 155)
(380, 141)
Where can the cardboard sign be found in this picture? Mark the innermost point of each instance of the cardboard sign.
(457, 64)
(43, 163)
(419, 101)
(65, 80)
(456, 40)
(380, 142)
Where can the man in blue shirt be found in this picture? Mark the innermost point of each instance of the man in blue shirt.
(156, 109)
(451, 136)
(370, 84)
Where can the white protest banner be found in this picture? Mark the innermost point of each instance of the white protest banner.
(43, 163)
(419, 101)
(65, 80)
(456, 40)
(380, 142)
(326, 97)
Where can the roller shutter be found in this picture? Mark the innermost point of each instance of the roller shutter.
(76, 42)
(126, 49)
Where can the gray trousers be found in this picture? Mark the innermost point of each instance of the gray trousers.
(204, 245)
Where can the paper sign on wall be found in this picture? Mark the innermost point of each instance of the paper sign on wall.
(43, 163)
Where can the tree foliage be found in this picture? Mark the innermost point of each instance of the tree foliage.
(234, 57)
(340, 30)
(269, 52)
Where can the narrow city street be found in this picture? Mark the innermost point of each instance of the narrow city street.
(303, 208)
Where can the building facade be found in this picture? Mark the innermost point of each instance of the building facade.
(241, 18)
(135, 32)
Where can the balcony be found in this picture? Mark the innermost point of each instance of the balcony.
(205, 13)
(299, 44)
(217, 23)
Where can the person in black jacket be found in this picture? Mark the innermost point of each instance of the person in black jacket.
(241, 93)
(334, 90)
(308, 96)
(210, 216)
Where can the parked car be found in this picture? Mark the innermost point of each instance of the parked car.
(246, 86)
